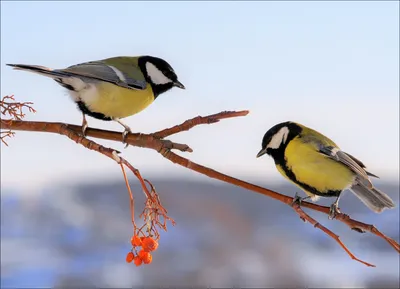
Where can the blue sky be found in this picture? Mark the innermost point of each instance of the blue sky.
(333, 66)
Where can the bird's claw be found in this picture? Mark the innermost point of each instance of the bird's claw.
(333, 211)
(124, 135)
(125, 132)
(297, 199)
(84, 126)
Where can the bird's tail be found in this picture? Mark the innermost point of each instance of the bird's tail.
(374, 199)
(39, 69)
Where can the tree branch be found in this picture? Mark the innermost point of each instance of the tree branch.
(156, 142)
(305, 217)
(190, 123)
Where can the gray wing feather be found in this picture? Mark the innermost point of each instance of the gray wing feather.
(355, 166)
(361, 165)
(103, 72)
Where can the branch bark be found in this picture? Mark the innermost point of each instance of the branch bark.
(157, 142)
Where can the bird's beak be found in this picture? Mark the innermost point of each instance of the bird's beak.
(261, 152)
(179, 84)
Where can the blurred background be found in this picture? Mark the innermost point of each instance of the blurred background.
(333, 66)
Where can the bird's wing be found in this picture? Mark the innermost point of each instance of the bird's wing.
(362, 165)
(352, 163)
(103, 72)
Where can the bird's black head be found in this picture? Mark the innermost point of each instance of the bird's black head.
(159, 74)
(277, 137)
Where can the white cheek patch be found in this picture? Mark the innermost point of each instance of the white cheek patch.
(156, 76)
(118, 73)
(279, 138)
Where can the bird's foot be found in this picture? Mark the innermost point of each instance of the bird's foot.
(333, 211)
(126, 131)
(124, 135)
(84, 127)
(297, 199)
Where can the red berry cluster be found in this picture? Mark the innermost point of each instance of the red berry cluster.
(148, 245)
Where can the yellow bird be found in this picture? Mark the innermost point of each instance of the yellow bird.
(112, 88)
(319, 167)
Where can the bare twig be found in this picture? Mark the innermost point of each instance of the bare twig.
(14, 111)
(131, 199)
(187, 125)
(306, 217)
(6, 134)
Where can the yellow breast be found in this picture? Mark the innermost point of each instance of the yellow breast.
(114, 101)
(316, 170)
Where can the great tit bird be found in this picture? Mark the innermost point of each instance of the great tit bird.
(112, 88)
(319, 167)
